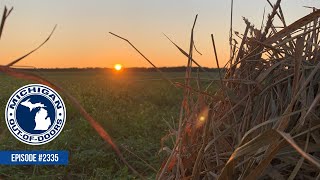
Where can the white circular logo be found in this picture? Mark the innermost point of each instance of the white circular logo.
(35, 114)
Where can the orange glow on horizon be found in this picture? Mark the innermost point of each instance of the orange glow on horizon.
(117, 67)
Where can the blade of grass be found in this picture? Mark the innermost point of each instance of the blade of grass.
(34, 50)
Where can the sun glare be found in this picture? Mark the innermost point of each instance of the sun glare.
(117, 67)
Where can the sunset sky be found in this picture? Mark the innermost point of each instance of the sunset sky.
(82, 40)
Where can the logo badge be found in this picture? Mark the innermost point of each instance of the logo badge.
(35, 114)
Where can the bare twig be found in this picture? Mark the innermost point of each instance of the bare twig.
(4, 18)
(157, 69)
(24, 56)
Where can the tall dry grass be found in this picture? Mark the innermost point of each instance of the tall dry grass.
(264, 121)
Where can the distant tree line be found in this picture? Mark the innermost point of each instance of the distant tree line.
(131, 69)
(171, 69)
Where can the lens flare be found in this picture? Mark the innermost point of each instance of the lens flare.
(202, 117)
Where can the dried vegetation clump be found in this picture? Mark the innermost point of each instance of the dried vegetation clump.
(264, 121)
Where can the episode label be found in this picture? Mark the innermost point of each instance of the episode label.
(34, 157)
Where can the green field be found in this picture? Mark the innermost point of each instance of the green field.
(134, 108)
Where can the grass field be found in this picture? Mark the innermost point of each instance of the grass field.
(133, 107)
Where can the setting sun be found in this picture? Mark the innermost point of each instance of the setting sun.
(117, 67)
